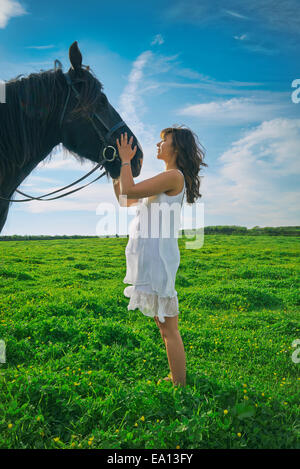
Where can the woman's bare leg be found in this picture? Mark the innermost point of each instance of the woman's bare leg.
(175, 349)
(167, 378)
(158, 325)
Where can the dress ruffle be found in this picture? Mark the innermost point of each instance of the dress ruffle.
(151, 304)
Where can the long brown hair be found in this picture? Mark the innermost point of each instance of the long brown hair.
(190, 155)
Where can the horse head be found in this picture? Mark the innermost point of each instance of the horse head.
(52, 107)
(89, 123)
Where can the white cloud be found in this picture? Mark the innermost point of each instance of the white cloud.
(158, 39)
(130, 100)
(234, 111)
(10, 9)
(62, 159)
(34, 179)
(270, 14)
(242, 37)
(213, 87)
(50, 46)
(132, 106)
(84, 200)
(256, 182)
(235, 14)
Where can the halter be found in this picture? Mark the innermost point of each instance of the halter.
(103, 138)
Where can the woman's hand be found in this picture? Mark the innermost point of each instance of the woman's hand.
(126, 153)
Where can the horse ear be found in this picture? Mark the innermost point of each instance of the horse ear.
(75, 57)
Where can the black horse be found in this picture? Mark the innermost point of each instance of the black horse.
(49, 108)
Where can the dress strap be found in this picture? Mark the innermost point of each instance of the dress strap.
(183, 176)
(180, 171)
(184, 188)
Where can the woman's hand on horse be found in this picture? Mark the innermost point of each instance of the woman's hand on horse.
(126, 153)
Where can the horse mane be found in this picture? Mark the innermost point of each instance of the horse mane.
(39, 96)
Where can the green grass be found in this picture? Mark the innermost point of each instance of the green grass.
(82, 370)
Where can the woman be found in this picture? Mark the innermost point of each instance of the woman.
(152, 262)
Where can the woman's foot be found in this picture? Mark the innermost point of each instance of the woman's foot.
(168, 378)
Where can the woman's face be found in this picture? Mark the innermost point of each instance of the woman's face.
(164, 148)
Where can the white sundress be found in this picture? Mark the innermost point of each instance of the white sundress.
(152, 262)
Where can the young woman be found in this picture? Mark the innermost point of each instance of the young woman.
(152, 262)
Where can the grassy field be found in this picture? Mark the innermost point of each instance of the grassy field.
(82, 371)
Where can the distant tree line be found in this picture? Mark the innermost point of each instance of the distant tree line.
(218, 229)
(243, 230)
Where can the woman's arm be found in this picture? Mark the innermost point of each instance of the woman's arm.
(162, 182)
(130, 202)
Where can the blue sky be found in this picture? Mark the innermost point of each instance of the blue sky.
(224, 71)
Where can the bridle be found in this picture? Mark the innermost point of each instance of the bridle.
(103, 138)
